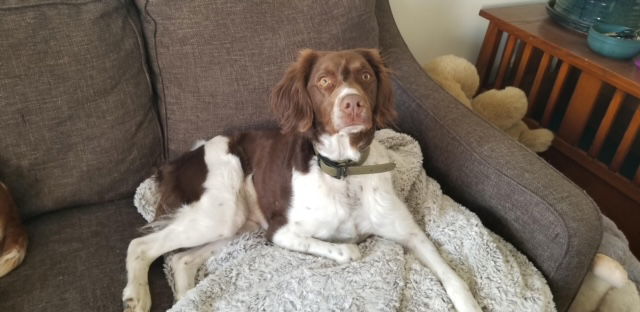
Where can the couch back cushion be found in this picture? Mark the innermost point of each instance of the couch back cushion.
(216, 61)
(77, 122)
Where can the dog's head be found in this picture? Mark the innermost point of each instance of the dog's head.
(335, 92)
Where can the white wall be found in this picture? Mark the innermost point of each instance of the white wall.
(436, 27)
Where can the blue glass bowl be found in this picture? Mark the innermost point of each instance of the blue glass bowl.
(580, 15)
(566, 20)
(610, 46)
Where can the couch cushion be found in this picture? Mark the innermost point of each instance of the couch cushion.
(215, 61)
(77, 123)
(76, 262)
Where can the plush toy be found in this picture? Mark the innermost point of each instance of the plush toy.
(611, 283)
(606, 288)
(13, 235)
(503, 108)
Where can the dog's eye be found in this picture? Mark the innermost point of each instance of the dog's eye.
(366, 76)
(324, 82)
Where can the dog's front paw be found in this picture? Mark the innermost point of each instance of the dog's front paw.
(136, 299)
(461, 296)
(344, 253)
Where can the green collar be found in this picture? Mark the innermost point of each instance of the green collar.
(341, 170)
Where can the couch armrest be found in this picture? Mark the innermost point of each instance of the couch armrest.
(515, 193)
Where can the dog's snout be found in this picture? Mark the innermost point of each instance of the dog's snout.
(352, 104)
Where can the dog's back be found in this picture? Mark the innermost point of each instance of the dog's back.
(181, 181)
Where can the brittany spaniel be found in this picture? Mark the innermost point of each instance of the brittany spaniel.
(318, 185)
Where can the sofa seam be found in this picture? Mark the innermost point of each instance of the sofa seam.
(144, 65)
(163, 101)
(474, 152)
(593, 205)
(404, 54)
(560, 174)
(590, 200)
(28, 6)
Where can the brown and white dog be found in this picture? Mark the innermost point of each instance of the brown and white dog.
(328, 105)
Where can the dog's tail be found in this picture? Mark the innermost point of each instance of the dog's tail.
(13, 235)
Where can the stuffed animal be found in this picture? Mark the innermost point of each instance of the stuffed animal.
(503, 108)
(13, 235)
(606, 288)
(611, 283)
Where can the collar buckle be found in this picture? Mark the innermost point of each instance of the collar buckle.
(342, 172)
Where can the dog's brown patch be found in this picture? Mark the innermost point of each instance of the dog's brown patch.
(271, 157)
(384, 112)
(181, 181)
(290, 99)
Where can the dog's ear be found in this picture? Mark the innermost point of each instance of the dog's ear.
(384, 112)
(290, 99)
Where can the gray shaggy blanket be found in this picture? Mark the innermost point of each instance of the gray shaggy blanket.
(251, 274)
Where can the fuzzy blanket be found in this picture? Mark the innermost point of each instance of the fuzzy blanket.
(251, 274)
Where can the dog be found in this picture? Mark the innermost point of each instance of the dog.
(13, 235)
(317, 185)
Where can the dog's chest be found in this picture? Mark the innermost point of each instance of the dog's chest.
(328, 208)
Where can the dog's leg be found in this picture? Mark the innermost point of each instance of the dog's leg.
(395, 222)
(456, 288)
(288, 238)
(185, 264)
(218, 214)
(193, 226)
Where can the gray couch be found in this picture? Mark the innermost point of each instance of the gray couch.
(93, 94)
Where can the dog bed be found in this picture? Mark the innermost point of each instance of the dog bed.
(251, 274)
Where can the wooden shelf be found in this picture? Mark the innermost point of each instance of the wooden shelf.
(590, 102)
(532, 24)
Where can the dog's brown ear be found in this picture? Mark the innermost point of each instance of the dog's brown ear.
(384, 112)
(290, 100)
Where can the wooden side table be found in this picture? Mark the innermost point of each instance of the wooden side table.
(590, 102)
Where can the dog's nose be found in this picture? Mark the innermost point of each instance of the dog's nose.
(352, 104)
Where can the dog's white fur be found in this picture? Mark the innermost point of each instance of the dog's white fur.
(326, 217)
(346, 211)
(220, 213)
(337, 114)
